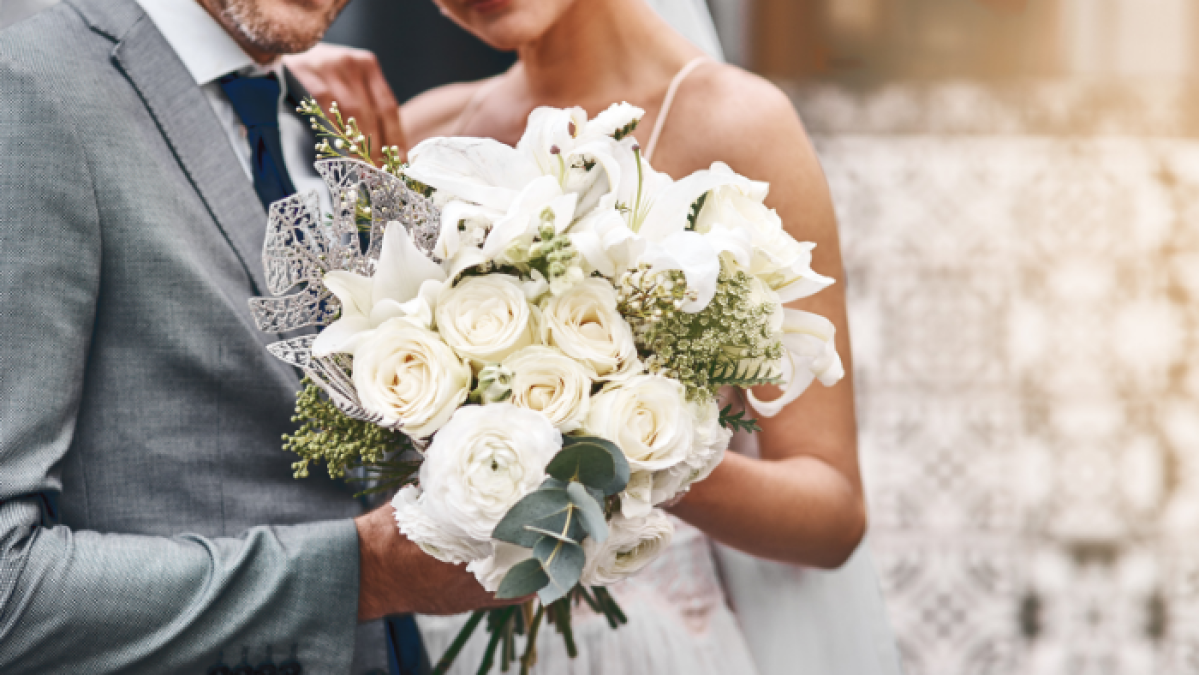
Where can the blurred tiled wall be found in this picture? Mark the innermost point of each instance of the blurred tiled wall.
(1023, 270)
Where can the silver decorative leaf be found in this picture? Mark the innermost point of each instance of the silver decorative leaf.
(301, 246)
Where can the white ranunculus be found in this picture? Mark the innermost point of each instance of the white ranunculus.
(482, 462)
(550, 382)
(585, 324)
(490, 571)
(486, 318)
(809, 353)
(406, 373)
(632, 544)
(777, 258)
(404, 285)
(447, 544)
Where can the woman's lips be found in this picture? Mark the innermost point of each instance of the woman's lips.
(487, 6)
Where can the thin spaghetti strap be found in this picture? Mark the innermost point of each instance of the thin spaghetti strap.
(473, 104)
(660, 123)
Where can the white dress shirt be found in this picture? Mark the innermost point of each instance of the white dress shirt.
(209, 53)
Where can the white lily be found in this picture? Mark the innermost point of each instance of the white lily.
(605, 241)
(480, 171)
(518, 226)
(405, 284)
(558, 143)
(773, 255)
(810, 354)
(658, 215)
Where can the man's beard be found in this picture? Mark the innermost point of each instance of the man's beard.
(273, 37)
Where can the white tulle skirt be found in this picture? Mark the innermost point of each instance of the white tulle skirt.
(679, 624)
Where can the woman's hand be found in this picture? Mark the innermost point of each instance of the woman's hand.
(353, 78)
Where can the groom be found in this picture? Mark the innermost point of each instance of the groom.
(149, 522)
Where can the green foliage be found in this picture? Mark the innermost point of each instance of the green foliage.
(525, 578)
(693, 213)
(562, 561)
(554, 519)
(589, 511)
(729, 343)
(738, 421)
(743, 374)
(326, 435)
(343, 138)
(627, 129)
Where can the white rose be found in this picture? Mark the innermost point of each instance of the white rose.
(405, 373)
(710, 440)
(551, 383)
(485, 318)
(649, 418)
(777, 258)
(482, 462)
(446, 543)
(584, 323)
(632, 544)
(490, 571)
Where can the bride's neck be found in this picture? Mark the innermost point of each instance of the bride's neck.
(601, 46)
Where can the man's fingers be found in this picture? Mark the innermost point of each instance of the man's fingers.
(386, 109)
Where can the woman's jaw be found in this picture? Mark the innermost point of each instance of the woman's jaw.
(507, 25)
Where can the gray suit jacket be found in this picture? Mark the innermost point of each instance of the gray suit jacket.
(149, 522)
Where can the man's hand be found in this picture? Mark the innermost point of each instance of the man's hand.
(353, 78)
(397, 577)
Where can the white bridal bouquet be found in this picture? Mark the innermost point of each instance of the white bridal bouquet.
(528, 343)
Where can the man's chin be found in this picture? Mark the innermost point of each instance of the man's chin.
(280, 26)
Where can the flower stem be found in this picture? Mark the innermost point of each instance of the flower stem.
(459, 642)
(530, 656)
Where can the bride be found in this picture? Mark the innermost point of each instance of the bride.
(796, 497)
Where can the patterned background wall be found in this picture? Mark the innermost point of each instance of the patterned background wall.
(1023, 272)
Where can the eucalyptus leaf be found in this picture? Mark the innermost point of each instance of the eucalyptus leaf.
(523, 579)
(539, 506)
(565, 524)
(562, 562)
(583, 462)
(590, 513)
(620, 476)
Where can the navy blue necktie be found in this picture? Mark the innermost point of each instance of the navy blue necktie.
(256, 101)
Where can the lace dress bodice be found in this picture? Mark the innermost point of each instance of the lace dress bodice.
(679, 624)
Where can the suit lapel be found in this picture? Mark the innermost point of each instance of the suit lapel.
(197, 139)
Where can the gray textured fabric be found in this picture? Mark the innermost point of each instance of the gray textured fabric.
(148, 518)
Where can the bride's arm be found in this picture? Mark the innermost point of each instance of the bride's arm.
(802, 501)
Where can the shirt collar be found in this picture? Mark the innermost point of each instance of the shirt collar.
(206, 49)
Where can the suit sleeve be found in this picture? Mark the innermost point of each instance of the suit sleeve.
(93, 602)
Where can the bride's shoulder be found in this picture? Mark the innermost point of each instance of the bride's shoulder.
(743, 119)
(436, 112)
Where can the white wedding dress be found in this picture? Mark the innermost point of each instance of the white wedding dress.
(679, 624)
